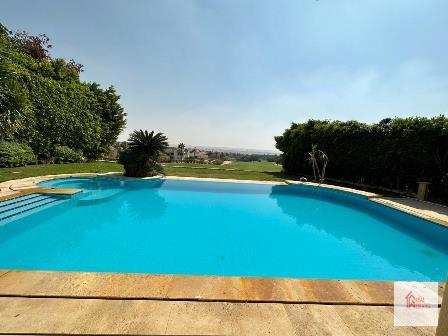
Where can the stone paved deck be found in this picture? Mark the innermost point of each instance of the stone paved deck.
(114, 303)
(151, 317)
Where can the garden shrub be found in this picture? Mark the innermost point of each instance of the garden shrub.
(394, 153)
(13, 154)
(64, 154)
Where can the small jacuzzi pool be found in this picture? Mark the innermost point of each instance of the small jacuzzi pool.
(221, 228)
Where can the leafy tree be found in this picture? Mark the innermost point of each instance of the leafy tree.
(43, 102)
(37, 46)
(14, 107)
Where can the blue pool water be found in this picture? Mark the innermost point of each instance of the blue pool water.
(217, 228)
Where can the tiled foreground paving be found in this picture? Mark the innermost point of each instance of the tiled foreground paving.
(113, 303)
(146, 317)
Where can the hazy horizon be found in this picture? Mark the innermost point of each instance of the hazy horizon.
(237, 73)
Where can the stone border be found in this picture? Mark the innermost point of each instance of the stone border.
(335, 187)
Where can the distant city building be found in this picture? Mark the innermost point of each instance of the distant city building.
(189, 155)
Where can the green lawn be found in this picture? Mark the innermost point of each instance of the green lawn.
(50, 169)
(258, 166)
(262, 166)
(236, 170)
(225, 174)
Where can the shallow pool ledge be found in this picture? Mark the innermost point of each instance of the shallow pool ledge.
(21, 187)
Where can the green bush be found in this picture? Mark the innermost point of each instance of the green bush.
(63, 154)
(394, 153)
(14, 154)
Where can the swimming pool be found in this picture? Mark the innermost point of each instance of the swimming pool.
(222, 228)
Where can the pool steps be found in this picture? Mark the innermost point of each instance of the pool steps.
(25, 204)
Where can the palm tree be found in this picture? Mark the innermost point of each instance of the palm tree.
(181, 150)
(147, 143)
(144, 148)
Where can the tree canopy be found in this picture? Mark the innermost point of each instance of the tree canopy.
(44, 104)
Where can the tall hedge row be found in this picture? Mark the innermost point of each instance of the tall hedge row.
(394, 153)
(44, 104)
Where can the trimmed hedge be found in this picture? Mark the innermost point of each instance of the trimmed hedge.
(394, 153)
(13, 154)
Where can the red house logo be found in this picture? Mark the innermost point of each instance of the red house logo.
(413, 301)
(410, 300)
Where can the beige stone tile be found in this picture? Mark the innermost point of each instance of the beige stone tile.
(90, 316)
(25, 315)
(205, 288)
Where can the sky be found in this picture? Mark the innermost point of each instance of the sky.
(237, 73)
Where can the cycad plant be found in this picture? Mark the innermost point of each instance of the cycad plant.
(144, 148)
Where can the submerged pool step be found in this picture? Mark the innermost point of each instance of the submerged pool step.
(21, 203)
(18, 200)
(25, 204)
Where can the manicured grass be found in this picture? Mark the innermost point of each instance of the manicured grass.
(225, 174)
(50, 169)
(262, 166)
(254, 165)
(261, 171)
(187, 170)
